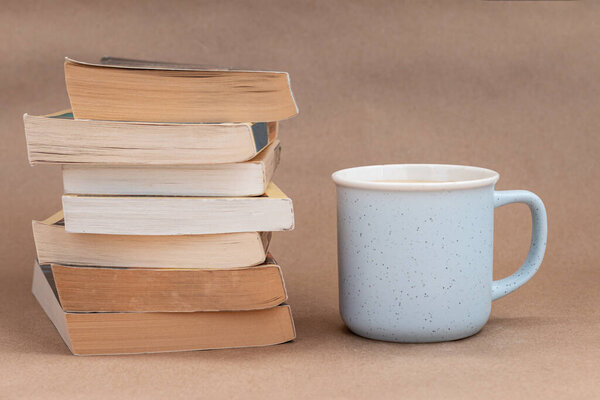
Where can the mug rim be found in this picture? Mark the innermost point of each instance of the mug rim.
(481, 177)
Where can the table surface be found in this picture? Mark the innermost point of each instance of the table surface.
(510, 86)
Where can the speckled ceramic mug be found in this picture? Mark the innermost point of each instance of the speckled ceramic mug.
(415, 249)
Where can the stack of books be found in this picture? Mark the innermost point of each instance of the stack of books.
(168, 208)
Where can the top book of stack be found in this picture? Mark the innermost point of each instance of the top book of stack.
(127, 90)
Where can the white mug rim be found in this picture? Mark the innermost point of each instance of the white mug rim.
(475, 177)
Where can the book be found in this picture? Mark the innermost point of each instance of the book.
(150, 332)
(118, 90)
(161, 215)
(59, 138)
(95, 289)
(228, 250)
(248, 178)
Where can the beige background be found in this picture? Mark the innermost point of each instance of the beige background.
(512, 86)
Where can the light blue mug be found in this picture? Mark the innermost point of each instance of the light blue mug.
(415, 249)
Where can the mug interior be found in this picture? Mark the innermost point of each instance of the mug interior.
(415, 177)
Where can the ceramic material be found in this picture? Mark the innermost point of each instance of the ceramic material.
(415, 258)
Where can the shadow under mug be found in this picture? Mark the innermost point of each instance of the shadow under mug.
(415, 249)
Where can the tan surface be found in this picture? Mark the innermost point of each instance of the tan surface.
(511, 86)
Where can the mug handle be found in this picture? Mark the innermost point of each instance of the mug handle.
(539, 234)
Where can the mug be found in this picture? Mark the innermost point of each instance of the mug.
(415, 249)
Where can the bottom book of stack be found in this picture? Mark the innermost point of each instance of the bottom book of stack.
(144, 310)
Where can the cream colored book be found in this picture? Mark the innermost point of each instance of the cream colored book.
(150, 332)
(228, 250)
(130, 90)
(248, 178)
(90, 289)
(60, 139)
(162, 215)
